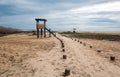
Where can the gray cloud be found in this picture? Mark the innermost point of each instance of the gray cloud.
(62, 13)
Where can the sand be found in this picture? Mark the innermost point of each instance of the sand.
(44, 58)
(107, 48)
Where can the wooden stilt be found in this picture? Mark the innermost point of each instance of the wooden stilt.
(44, 33)
(41, 33)
(49, 33)
(37, 33)
(44, 29)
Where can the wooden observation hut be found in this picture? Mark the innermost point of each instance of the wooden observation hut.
(42, 27)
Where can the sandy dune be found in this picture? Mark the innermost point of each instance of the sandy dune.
(44, 58)
(107, 48)
(17, 48)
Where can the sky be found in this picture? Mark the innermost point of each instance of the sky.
(62, 15)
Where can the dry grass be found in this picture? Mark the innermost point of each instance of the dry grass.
(107, 48)
(96, 35)
(16, 48)
(107, 43)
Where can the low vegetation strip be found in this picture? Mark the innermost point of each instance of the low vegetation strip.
(2, 35)
(98, 36)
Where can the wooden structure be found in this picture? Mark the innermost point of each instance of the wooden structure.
(42, 27)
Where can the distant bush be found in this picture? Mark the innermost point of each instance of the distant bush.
(2, 34)
(99, 36)
(34, 32)
(4, 30)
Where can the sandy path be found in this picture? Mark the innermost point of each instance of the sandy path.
(107, 48)
(81, 61)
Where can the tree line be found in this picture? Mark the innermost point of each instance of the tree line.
(7, 30)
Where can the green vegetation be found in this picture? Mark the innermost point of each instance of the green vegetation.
(2, 35)
(99, 36)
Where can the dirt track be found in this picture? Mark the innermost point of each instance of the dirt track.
(48, 62)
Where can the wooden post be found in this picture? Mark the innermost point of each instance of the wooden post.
(112, 58)
(37, 22)
(49, 33)
(90, 46)
(41, 33)
(63, 50)
(44, 29)
(64, 56)
(37, 33)
(67, 72)
(98, 51)
(44, 33)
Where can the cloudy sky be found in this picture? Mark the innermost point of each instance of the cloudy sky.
(62, 15)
